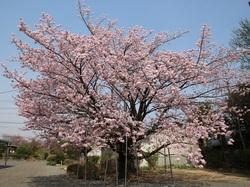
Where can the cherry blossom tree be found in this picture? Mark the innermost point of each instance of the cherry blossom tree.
(101, 88)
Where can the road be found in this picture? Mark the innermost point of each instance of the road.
(33, 174)
(38, 174)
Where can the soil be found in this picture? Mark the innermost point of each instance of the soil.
(193, 178)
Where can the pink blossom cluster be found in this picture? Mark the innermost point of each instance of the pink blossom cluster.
(97, 88)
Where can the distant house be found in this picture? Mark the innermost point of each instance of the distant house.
(6, 148)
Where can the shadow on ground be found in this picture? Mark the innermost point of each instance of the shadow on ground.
(5, 167)
(61, 181)
(50, 181)
(64, 181)
(171, 184)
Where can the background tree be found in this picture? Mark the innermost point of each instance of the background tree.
(239, 98)
(241, 39)
(15, 140)
(239, 116)
(102, 88)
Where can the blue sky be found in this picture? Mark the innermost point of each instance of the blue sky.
(159, 15)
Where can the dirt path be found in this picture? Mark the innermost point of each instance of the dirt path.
(38, 174)
(32, 174)
(211, 176)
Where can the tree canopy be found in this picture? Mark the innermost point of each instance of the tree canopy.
(97, 89)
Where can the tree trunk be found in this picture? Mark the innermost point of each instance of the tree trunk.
(131, 168)
(131, 165)
(121, 166)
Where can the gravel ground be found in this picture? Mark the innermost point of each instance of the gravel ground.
(29, 173)
(38, 174)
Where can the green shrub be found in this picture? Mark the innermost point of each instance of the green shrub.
(152, 161)
(214, 158)
(68, 162)
(24, 151)
(55, 158)
(240, 159)
(72, 153)
(51, 157)
(32, 149)
(227, 159)
(78, 170)
(51, 163)
(60, 157)
(93, 160)
(40, 154)
(108, 156)
(144, 168)
(93, 169)
(182, 166)
(3, 147)
(46, 154)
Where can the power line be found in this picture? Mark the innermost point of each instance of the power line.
(8, 108)
(4, 92)
(2, 112)
(10, 116)
(14, 127)
(12, 123)
(7, 101)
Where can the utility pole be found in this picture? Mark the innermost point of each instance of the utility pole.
(126, 161)
(170, 163)
(6, 154)
(165, 161)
